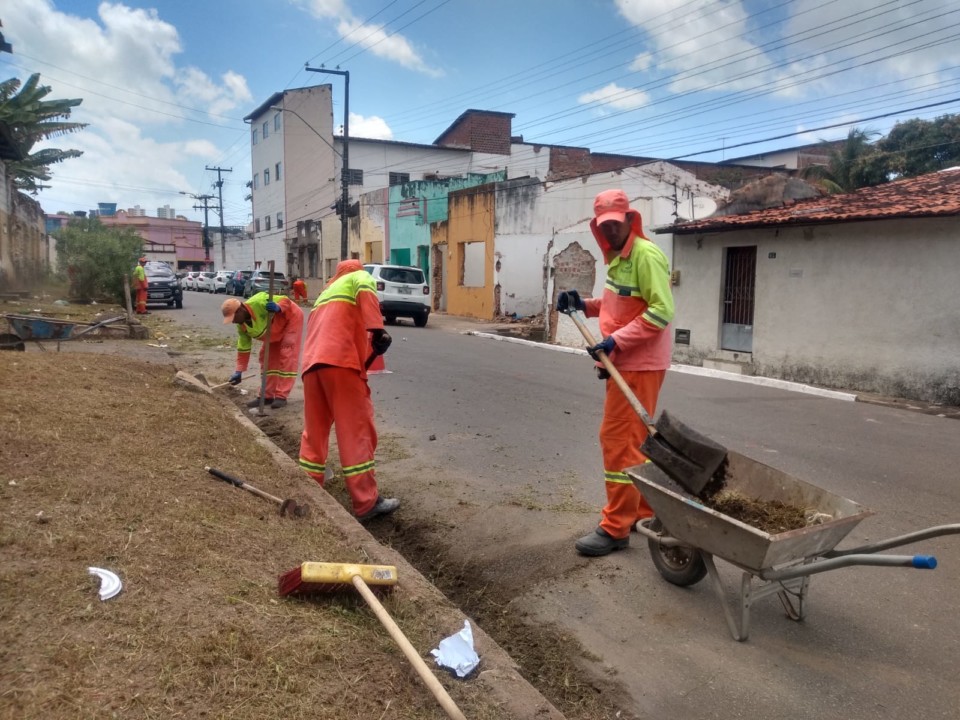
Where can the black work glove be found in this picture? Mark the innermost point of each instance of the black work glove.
(607, 345)
(570, 300)
(235, 378)
(381, 341)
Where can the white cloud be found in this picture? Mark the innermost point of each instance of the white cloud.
(614, 96)
(373, 37)
(138, 147)
(373, 127)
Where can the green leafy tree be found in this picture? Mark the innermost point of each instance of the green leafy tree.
(29, 118)
(853, 165)
(917, 147)
(95, 257)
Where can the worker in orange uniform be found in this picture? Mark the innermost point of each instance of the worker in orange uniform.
(299, 289)
(344, 333)
(286, 330)
(635, 310)
(140, 286)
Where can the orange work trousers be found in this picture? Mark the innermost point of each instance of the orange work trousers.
(141, 301)
(284, 353)
(340, 397)
(621, 435)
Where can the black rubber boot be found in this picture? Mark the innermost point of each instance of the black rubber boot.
(600, 542)
(384, 506)
(278, 403)
(256, 402)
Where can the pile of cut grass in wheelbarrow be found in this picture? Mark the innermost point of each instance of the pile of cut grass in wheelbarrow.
(770, 516)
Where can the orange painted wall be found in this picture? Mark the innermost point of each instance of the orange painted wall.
(471, 219)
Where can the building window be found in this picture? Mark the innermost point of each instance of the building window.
(399, 178)
(266, 177)
(256, 181)
(266, 129)
(276, 171)
(354, 177)
(256, 225)
(276, 122)
(266, 222)
(256, 139)
(279, 220)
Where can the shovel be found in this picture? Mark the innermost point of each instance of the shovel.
(680, 451)
(287, 507)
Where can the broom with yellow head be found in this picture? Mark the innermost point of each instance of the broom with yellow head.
(313, 577)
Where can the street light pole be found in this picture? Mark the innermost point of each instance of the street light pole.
(345, 174)
(205, 207)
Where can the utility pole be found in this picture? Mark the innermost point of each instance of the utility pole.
(345, 177)
(206, 225)
(223, 238)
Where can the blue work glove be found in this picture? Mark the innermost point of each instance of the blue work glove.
(570, 300)
(273, 307)
(235, 378)
(607, 345)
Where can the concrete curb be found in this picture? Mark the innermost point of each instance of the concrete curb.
(499, 674)
(691, 370)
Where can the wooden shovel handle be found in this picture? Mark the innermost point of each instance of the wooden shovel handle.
(266, 340)
(429, 679)
(578, 320)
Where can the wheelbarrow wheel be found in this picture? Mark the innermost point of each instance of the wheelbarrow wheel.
(679, 565)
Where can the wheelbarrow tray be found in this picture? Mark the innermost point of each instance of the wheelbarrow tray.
(32, 327)
(685, 518)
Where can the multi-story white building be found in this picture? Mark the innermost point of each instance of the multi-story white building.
(166, 213)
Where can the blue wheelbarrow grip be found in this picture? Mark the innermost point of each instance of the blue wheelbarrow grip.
(924, 562)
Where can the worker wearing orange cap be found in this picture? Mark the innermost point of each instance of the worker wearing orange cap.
(140, 286)
(286, 330)
(344, 333)
(635, 311)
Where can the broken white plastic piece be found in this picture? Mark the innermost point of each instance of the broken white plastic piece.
(110, 585)
(456, 652)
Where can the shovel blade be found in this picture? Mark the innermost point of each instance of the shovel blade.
(684, 454)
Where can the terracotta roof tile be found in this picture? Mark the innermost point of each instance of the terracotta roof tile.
(932, 195)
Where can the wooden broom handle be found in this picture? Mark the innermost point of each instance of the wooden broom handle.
(578, 320)
(446, 702)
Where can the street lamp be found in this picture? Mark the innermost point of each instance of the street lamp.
(345, 201)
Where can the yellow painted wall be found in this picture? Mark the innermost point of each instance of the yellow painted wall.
(471, 219)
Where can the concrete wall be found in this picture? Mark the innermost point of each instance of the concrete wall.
(24, 244)
(869, 306)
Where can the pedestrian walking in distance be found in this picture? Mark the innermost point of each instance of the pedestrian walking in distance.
(344, 332)
(286, 330)
(635, 312)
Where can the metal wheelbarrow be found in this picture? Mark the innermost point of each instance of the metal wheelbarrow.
(685, 536)
(37, 328)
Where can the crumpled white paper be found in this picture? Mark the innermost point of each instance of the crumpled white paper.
(456, 652)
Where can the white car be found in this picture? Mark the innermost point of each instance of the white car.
(205, 281)
(403, 292)
(189, 281)
(220, 281)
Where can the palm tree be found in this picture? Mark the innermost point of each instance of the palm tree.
(27, 119)
(853, 165)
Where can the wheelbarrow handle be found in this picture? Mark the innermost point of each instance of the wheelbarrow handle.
(920, 562)
(578, 320)
(931, 532)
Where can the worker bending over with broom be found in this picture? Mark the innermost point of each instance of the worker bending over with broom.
(344, 334)
(635, 311)
(286, 329)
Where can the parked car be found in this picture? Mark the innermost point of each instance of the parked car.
(403, 292)
(205, 281)
(190, 281)
(163, 285)
(221, 279)
(259, 281)
(239, 279)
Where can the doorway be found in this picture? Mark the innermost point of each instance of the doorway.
(740, 275)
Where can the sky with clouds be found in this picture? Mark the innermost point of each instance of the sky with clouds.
(165, 84)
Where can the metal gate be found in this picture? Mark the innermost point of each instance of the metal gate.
(740, 274)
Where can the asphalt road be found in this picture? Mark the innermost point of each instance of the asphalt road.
(499, 452)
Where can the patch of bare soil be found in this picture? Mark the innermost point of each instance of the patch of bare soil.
(548, 657)
(102, 464)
